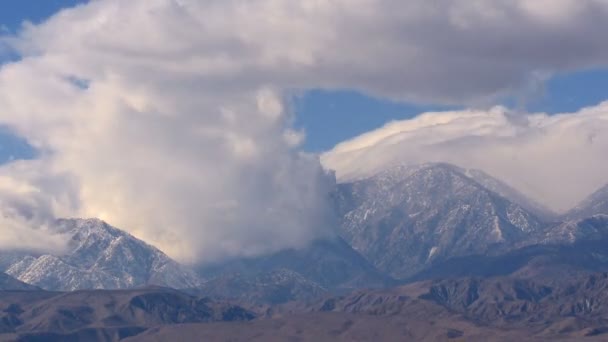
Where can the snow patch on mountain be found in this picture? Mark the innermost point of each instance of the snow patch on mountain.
(99, 256)
(407, 217)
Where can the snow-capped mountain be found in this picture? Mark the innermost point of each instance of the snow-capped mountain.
(406, 218)
(98, 256)
(596, 203)
(509, 193)
(394, 225)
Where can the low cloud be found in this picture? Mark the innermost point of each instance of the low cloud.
(28, 208)
(167, 117)
(556, 160)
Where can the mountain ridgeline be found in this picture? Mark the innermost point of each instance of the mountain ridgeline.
(412, 221)
(405, 221)
(397, 225)
(415, 243)
(98, 256)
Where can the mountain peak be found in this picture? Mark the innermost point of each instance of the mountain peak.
(99, 256)
(409, 217)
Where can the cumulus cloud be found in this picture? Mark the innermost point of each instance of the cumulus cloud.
(556, 160)
(463, 51)
(168, 117)
(201, 176)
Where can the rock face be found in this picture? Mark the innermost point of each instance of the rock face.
(506, 191)
(407, 218)
(477, 260)
(471, 308)
(99, 256)
(596, 203)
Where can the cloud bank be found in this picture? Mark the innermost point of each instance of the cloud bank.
(556, 160)
(168, 117)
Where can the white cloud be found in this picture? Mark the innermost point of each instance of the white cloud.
(556, 160)
(26, 212)
(167, 117)
(455, 51)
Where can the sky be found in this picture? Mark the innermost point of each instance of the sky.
(330, 117)
(212, 138)
(14, 13)
(12, 17)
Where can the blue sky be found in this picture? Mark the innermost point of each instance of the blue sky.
(14, 12)
(329, 117)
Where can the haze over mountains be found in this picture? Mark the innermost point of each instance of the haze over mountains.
(459, 235)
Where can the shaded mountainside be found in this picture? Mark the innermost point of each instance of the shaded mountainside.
(324, 265)
(105, 315)
(8, 283)
(548, 261)
(273, 287)
(326, 326)
(99, 256)
(471, 309)
(596, 203)
(579, 302)
(405, 219)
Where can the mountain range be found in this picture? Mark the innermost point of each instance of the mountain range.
(404, 220)
(469, 308)
(434, 238)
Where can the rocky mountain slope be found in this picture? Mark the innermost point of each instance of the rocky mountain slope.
(563, 306)
(589, 228)
(407, 218)
(273, 287)
(98, 256)
(100, 315)
(325, 265)
(470, 309)
(596, 203)
(8, 283)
